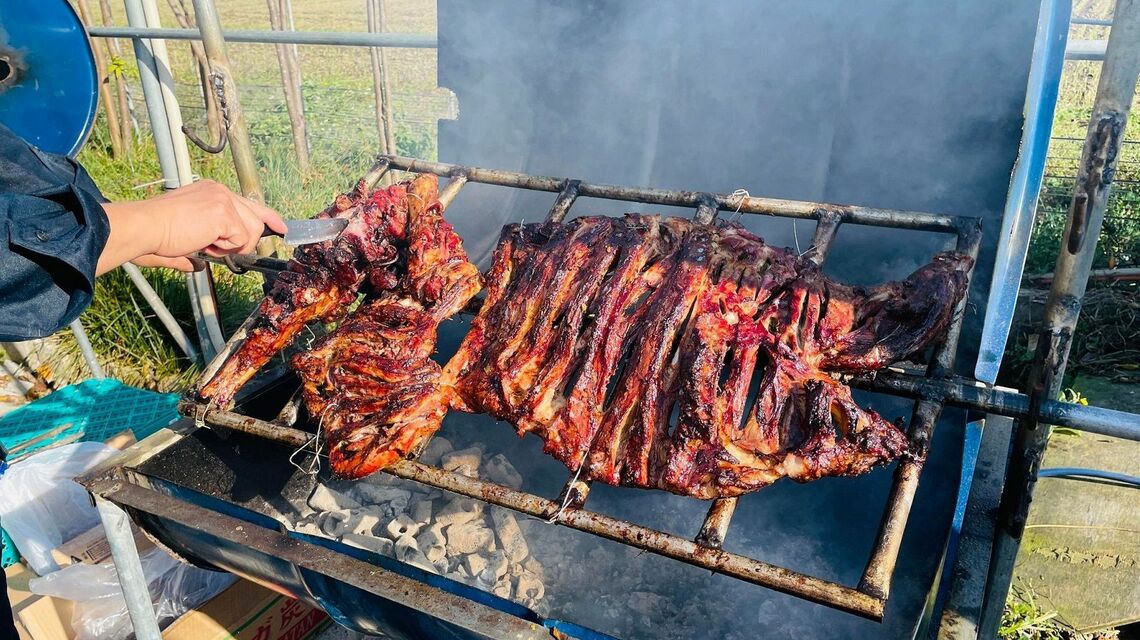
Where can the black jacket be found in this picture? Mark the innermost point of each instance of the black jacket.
(54, 228)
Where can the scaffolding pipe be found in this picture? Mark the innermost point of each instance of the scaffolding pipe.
(332, 38)
(173, 159)
(160, 310)
(86, 350)
(1105, 135)
(128, 566)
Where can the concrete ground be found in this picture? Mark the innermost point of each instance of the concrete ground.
(1081, 553)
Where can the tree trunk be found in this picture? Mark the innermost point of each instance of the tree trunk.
(280, 19)
(384, 121)
(104, 92)
(126, 128)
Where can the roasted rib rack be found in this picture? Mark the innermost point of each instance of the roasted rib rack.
(869, 596)
(596, 330)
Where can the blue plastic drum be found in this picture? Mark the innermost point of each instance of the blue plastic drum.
(48, 90)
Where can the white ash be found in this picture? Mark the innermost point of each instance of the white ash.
(402, 526)
(460, 538)
(500, 471)
(469, 537)
(459, 511)
(466, 461)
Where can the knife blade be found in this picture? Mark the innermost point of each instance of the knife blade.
(300, 232)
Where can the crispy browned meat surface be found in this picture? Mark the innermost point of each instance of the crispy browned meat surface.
(596, 332)
(321, 281)
(371, 383)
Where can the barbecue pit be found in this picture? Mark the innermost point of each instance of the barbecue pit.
(220, 495)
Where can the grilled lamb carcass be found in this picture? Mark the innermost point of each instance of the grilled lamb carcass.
(596, 331)
(370, 383)
(320, 282)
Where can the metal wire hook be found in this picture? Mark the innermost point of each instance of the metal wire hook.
(219, 85)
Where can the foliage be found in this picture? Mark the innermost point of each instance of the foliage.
(1024, 619)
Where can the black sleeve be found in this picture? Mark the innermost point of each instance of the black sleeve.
(54, 229)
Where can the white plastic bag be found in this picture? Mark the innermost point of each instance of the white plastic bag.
(100, 610)
(41, 507)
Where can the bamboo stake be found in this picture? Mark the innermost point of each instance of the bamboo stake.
(290, 65)
(384, 120)
(126, 128)
(104, 91)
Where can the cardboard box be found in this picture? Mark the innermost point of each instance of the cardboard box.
(44, 618)
(247, 611)
(91, 547)
(37, 617)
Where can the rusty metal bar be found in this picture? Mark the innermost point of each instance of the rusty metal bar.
(729, 564)
(881, 565)
(715, 528)
(566, 197)
(474, 617)
(825, 229)
(706, 208)
(1115, 92)
(447, 195)
(745, 204)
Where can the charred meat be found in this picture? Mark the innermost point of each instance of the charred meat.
(664, 353)
(319, 284)
(370, 383)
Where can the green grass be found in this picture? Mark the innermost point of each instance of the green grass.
(342, 131)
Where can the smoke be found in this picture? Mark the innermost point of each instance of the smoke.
(890, 103)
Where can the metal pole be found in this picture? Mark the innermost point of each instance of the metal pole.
(200, 285)
(240, 148)
(86, 350)
(175, 173)
(169, 100)
(333, 38)
(1117, 87)
(160, 310)
(152, 92)
(117, 526)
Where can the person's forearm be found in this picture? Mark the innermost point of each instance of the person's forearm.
(132, 235)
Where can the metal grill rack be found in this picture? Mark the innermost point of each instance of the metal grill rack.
(936, 388)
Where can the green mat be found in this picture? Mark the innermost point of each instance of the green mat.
(93, 410)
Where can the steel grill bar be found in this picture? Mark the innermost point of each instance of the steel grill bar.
(576, 490)
(745, 204)
(706, 208)
(566, 198)
(881, 565)
(451, 190)
(661, 543)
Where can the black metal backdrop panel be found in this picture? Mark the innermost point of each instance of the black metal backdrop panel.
(890, 103)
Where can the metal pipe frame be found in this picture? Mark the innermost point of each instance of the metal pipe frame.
(872, 216)
(869, 598)
(668, 545)
(1115, 92)
(116, 492)
(333, 38)
(128, 566)
(938, 388)
(173, 160)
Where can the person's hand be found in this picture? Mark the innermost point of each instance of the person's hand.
(204, 216)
